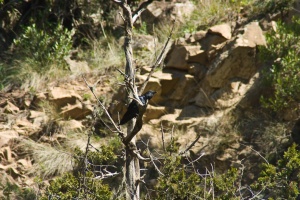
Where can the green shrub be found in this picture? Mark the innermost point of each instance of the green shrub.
(283, 72)
(81, 184)
(69, 187)
(43, 48)
(183, 180)
(281, 181)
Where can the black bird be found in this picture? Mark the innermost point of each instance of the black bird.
(133, 108)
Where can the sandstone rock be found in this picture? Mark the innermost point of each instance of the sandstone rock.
(227, 78)
(38, 117)
(195, 55)
(6, 136)
(25, 127)
(76, 111)
(11, 108)
(157, 11)
(154, 112)
(210, 41)
(197, 70)
(62, 97)
(180, 56)
(252, 36)
(223, 29)
(177, 57)
(154, 11)
(175, 85)
(236, 63)
(153, 84)
(196, 36)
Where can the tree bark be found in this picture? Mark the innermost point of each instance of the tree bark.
(132, 165)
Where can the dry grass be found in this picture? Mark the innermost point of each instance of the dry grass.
(104, 53)
(48, 161)
(33, 81)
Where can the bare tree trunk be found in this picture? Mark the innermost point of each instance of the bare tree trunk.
(132, 165)
(132, 172)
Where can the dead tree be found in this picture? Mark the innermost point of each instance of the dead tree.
(132, 155)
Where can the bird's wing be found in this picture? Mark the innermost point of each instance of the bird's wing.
(132, 112)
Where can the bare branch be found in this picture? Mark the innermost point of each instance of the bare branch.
(162, 136)
(107, 174)
(191, 145)
(257, 153)
(157, 169)
(158, 60)
(137, 153)
(122, 135)
(140, 9)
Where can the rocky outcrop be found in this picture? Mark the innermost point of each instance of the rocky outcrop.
(211, 69)
(157, 11)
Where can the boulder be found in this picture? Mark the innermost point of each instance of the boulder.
(11, 108)
(253, 36)
(6, 136)
(176, 57)
(38, 117)
(229, 76)
(77, 110)
(62, 97)
(195, 37)
(158, 11)
(223, 29)
(153, 84)
(180, 56)
(238, 62)
(175, 85)
(154, 112)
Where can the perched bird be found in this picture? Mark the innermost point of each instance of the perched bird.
(133, 108)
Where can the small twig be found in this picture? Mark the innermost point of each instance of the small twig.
(158, 60)
(130, 85)
(201, 155)
(162, 136)
(152, 160)
(122, 16)
(121, 134)
(191, 145)
(257, 153)
(140, 157)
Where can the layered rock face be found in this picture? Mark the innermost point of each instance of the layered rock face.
(210, 69)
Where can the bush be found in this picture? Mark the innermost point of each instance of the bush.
(81, 183)
(69, 187)
(283, 72)
(281, 181)
(44, 48)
